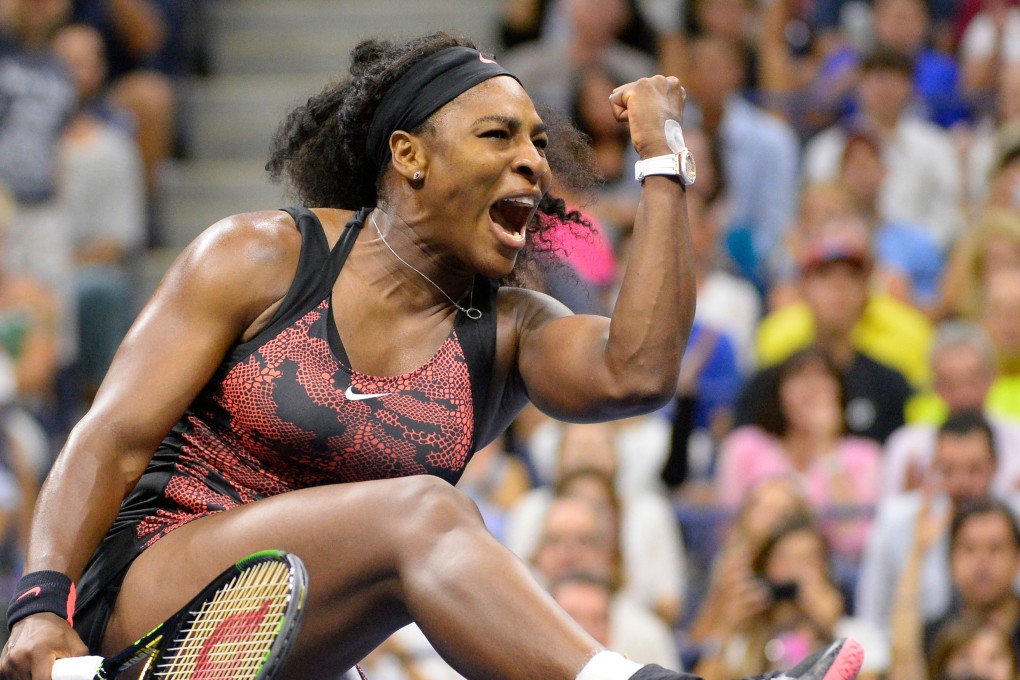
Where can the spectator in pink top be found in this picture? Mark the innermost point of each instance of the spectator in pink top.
(798, 432)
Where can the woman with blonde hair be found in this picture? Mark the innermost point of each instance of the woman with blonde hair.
(992, 245)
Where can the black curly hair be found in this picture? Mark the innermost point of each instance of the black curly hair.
(319, 148)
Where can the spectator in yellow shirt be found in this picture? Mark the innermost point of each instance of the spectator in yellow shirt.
(885, 329)
(880, 344)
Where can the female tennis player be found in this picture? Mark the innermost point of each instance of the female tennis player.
(315, 381)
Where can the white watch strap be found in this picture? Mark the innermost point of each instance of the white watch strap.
(657, 165)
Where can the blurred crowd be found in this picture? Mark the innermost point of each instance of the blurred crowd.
(843, 453)
(87, 116)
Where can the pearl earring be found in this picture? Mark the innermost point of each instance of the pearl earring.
(416, 176)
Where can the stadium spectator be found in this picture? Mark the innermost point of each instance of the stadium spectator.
(767, 505)
(38, 101)
(798, 431)
(877, 342)
(965, 378)
(999, 314)
(589, 599)
(104, 192)
(991, 41)
(984, 558)
(758, 154)
(549, 68)
(993, 143)
(1004, 178)
(726, 303)
(28, 369)
(971, 647)
(775, 613)
(990, 246)
(646, 533)
(145, 41)
(525, 21)
(923, 187)
(962, 471)
(909, 259)
(495, 480)
(577, 537)
(903, 27)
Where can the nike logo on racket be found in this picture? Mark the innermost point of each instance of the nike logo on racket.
(34, 592)
(354, 396)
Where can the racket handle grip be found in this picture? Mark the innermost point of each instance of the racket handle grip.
(77, 668)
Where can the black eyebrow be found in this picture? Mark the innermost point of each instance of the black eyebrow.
(513, 123)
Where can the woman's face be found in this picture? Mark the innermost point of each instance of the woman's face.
(796, 557)
(986, 656)
(809, 398)
(485, 172)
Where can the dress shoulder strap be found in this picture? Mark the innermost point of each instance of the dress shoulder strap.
(342, 248)
(318, 266)
(478, 340)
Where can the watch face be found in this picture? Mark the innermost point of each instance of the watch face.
(688, 169)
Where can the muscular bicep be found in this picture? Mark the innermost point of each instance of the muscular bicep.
(208, 300)
(561, 359)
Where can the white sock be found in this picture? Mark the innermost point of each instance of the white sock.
(608, 665)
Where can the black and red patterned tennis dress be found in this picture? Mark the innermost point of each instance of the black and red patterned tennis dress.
(285, 411)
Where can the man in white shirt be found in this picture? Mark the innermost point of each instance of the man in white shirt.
(924, 182)
(963, 469)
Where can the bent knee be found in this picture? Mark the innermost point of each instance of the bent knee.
(432, 507)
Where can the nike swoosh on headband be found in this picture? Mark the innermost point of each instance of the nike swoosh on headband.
(354, 396)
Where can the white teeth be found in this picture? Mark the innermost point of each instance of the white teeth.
(523, 200)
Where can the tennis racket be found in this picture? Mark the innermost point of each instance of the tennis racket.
(240, 627)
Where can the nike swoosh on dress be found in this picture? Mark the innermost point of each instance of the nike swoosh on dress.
(354, 396)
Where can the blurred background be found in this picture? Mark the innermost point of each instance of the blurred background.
(843, 453)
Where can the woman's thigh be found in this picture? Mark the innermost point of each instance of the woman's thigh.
(351, 537)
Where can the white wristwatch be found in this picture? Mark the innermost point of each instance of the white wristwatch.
(678, 164)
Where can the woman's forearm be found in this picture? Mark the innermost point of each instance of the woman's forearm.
(655, 308)
(77, 504)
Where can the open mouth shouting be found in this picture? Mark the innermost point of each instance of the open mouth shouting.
(511, 216)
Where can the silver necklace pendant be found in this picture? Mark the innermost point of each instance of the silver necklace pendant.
(471, 312)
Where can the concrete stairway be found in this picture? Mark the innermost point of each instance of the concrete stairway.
(267, 56)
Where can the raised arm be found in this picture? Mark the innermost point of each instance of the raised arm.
(220, 289)
(593, 368)
(906, 624)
